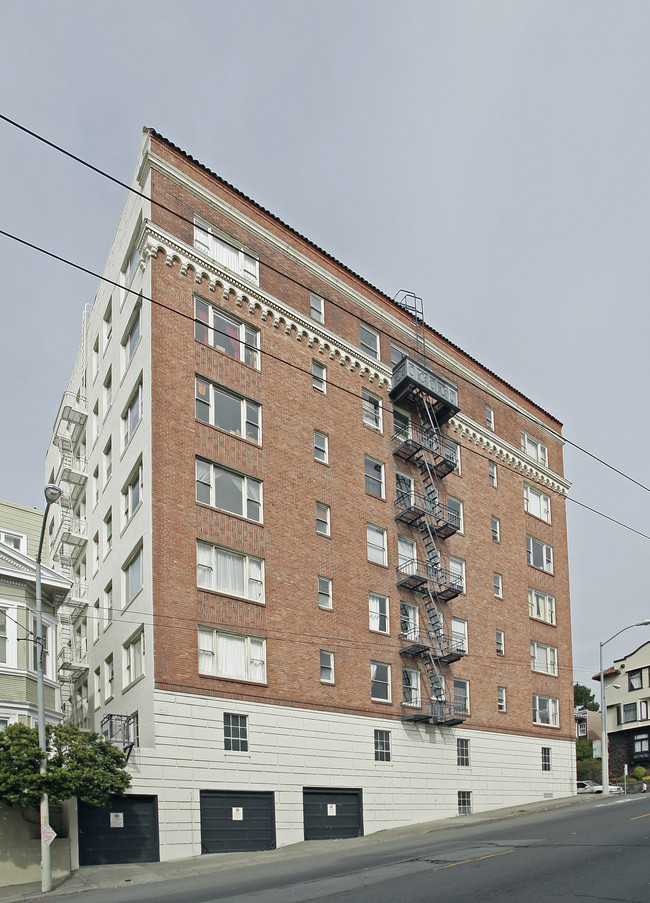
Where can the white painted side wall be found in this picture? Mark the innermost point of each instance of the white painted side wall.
(292, 748)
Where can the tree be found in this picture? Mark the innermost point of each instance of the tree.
(582, 696)
(79, 764)
(584, 749)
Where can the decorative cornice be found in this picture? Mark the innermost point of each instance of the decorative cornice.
(206, 270)
(394, 323)
(507, 454)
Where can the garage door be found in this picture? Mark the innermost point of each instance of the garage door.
(332, 813)
(232, 821)
(125, 831)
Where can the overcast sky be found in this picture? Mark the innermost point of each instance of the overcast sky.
(490, 156)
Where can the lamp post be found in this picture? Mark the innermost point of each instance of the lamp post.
(603, 708)
(52, 494)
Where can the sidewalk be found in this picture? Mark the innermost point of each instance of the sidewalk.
(101, 877)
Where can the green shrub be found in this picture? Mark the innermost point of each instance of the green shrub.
(638, 773)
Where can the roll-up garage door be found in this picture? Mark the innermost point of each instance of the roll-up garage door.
(125, 831)
(330, 813)
(233, 821)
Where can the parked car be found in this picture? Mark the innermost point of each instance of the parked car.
(593, 787)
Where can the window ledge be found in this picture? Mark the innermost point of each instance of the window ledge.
(135, 681)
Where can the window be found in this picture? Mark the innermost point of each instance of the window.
(94, 422)
(541, 606)
(396, 355)
(378, 607)
(643, 709)
(501, 699)
(95, 553)
(498, 586)
(97, 621)
(401, 425)
(408, 621)
(224, 252)
(411, 687)
(371, 409)
(232, 655)
(326, 667)
(492, 473)
(132, 577)
(95, 487)
(635, 680)
(369, 341)
(134, 658)
(318, 376)
(134, 729)
(534, 449)
(380, 681)
(232, 492)
(95, 359)
(496, 530)
(132, 338)
(539, 554)
(17, 541)
(230, 572)
(322, 519)
(543, 658)
(546, 758)
(459, 634)
(457, 571)
(235, 732)
(501, 642)
(324, 592)
(108, 461)
(132, 260)
(455, 508)
(321, 447)
(545, 710)
(537, 503)
(109, 678)
(464, 802)
(582, 729)
(462, 752)
(406, 555)
(235, 339)
(382, 746)
(629, 712)
(404, 490)
(108, 604)
(641, 744)
(132, 494)
(132, 416)
(97, 685)
(376, 544)
(489, 417)
(228, 412)
(461, 696)
(108, 323)
(3, 636)
(374, 477)
(108, 532)
(316, 308)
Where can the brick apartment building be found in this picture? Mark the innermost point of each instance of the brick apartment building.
(319, 552)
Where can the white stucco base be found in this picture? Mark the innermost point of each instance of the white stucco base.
(292, 748)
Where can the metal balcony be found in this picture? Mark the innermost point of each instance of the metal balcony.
(413, 507)
(437, 712)
(71, 662)
(71, 416)
(414, 441)
(420, 576)
(412, 378)
(70, 539)
(72, 470)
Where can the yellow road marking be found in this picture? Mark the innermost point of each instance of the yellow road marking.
(478, 859)
(640, 816)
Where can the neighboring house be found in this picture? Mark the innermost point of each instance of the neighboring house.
(627, 689)
(588, 724)
(319, 552)
(19, 536)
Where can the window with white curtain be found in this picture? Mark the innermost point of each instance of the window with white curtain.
(233, 492)
(378, 607)
(543, 658)
(224, 252)
(232, 655)
(230, 336)
(546, 710)
(537, 503)
(229, 572)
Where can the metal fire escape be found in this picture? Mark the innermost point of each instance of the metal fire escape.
(422, 444)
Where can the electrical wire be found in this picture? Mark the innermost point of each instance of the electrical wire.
(295, 281)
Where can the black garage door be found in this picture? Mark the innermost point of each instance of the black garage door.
(125, 831)
(332, 813)
(232, 821)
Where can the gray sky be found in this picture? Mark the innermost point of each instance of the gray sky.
(490, 156)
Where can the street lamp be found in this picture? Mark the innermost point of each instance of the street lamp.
(52, 494)
(603, 708)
